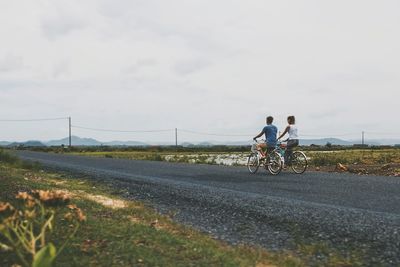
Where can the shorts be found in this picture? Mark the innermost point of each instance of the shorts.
(292, 143)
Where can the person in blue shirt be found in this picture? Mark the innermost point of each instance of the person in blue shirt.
(270, 132)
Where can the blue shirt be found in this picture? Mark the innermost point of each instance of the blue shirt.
(270, 132)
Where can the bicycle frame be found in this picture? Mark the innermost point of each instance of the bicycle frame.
(282, 149)
(264, 158)
(254, 149)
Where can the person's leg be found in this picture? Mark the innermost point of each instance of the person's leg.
(289, 150)
(269, 150)
(261, 148)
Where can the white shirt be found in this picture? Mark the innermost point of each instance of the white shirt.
(293, 132)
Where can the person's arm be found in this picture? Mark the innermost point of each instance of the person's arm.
(284, 132)
(259, 135)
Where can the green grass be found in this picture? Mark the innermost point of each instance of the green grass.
(362, 156)
(13, 160)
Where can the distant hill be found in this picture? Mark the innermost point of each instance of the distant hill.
(4, 143)
(304, 142)
(383, 141)
(324, 141)
(187, 144)
(27, 143)
(125, 143)
(205, 144)
(77, 141)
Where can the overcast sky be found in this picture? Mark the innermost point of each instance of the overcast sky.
(215, 66)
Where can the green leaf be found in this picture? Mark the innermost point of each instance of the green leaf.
(45, 256)
(4, 247)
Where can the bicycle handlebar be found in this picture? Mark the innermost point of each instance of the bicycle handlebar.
(277, 140)
(282, 141)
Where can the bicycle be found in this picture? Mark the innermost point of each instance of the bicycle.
(298, 159)
(272, 161)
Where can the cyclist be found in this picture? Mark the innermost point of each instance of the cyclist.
(270, 132)
(293, 139)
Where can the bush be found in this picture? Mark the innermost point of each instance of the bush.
(6, 157)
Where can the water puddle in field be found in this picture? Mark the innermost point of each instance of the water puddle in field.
(232, 159)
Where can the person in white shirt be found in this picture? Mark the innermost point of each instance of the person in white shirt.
(293, 139)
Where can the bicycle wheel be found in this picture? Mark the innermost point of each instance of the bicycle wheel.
(253, 162)
(275, 164)
(299, 162)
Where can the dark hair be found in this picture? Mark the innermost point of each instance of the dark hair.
(291, 120)
(270, 119)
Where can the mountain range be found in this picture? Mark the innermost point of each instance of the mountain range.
(75, 140)
(79, 141)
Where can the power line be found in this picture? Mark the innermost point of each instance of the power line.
(184, 130)
(122, 131)
(28, 120)
(213, 134)
(381, 133)
(318, 135)
(208, 133)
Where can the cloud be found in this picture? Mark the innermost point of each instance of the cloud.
(61, 68)
(62, 18)
(56, 27)
(205, 65)
(10, 63)
(190, 66)
(139, 65)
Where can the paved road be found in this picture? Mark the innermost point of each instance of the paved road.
(346, 211)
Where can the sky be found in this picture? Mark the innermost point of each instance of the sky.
(204, 66)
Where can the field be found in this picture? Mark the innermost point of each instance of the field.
(364, 161)
(368, 160)
(382, 161)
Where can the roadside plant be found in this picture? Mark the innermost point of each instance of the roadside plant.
(8, 158)
(26, 230)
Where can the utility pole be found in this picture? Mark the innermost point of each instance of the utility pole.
(176, 138)
(362, 138)
(69, 124)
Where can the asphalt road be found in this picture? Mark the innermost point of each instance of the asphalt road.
(348, 212)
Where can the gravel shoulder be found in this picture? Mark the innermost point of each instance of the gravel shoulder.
(348, 212)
